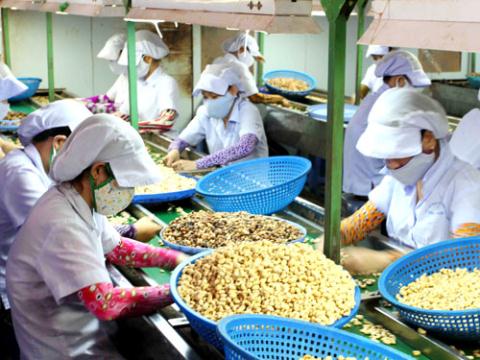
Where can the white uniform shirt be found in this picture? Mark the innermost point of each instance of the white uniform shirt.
(249, 86)
(24, 181)
(370, 80)
(58, 251)
(451, 190)
(157, 93)
(245, 119)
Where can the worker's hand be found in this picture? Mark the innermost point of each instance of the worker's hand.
(184, 165)
(181, 258)
(146, 229)
(319, 242)
(285, 103)
(260, 59)
(362, 261)
(172, 156)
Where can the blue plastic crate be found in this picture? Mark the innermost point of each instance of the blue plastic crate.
(207, 328)
(291, 74)
(261, 186)
(450, 254)
(32, 83)
(256, 337)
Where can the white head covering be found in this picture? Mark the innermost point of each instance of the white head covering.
(112, 48)
(234, 44)
(401, 62)
(57, 114)
(146, 43)
(464, 143)
(10, 87)
(377, 50)
(396, 121)
(106, 138)
(217, 78)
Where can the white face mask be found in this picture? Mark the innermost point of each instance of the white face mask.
(4, 107)
(246, 58)
(414, 170)
(142, 69)
(109, 198)
(117, 69)
(220, 107)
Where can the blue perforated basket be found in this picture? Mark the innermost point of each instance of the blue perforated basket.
(312, 83)
(195, 250)
(32, 83)
(164, 197)
(207, 328)
(450, 254)
(260, 186)
(255, 337)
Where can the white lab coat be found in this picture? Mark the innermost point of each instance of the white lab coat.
(372, 81)
(248, 84)
(451, 191)
(245, 119)
(24, 181)
(157, 93)
(58, 251)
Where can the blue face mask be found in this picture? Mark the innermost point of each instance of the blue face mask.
(220, 107)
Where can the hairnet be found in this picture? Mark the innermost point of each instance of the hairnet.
(396, 121)
(113, 47)
(106, 138)
(401, 62)
(217, 78)
(146, 43)
(234, 44)
(377, 50)
(57, 114)
(10, 87)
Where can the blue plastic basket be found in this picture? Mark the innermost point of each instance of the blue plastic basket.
(319, 112)
(195, 250)
(474, 81)
(207, 328)
(164, 197)
(256, 337)
(33, 83)
(8, 125)
(312, 83)
(450, 254)
(260, 186)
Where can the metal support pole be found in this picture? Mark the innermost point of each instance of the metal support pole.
(132, 74)
(6, 37)
(337, 13)
(51, 79)
(261, 46)
(361, 5)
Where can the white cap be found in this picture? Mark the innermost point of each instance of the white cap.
(146, 43)
(401, 62)
(106, 138)
(113, 47)
(464, 143)
(396, 121)
(217, 78)
(234, 44)
(10, 87)
(57, 114)
(377, 50)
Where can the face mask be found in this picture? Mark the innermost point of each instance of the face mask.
(109, 198)
(414, 170)
(220, 107)
(118, 69)
(246, 58)
(142, 69)
(3, 110)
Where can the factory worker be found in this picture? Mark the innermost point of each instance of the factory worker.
(398, 69)
(428, 194)
(157, 91)
(370, 81)
(241, 52)
(111, 52)
(57, 281)
(229, 123)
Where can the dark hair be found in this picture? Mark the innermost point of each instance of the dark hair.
(44, 135)
(387, 78)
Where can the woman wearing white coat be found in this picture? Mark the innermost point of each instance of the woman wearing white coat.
(371, 82)
(428, 194)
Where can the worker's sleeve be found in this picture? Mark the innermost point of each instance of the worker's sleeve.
(109, 235)
(381, 195)
(244, 147)
(107, 302)
(168, 95)
(178, 144)
(127, 231)
(465, 206)
(369, 78)
(356, 227)
(195, 131)
(136, 254)
(22, 188)
(70, 259)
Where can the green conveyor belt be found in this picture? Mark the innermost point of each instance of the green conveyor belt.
(23, 106)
